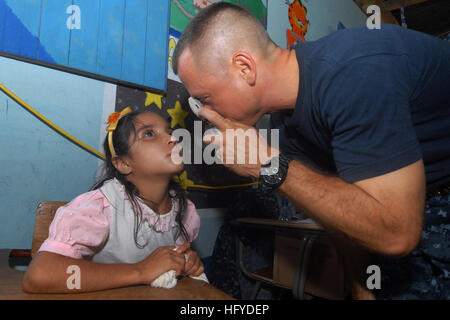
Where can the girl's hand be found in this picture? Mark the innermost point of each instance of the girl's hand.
(159, 261)
(194, 266)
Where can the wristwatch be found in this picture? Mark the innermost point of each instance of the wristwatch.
(273, 173)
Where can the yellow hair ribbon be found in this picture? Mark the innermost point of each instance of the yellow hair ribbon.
(113, 120)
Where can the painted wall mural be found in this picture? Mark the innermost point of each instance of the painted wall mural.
(123, 41)
(182, 11)
(291, 21)
(298, 22)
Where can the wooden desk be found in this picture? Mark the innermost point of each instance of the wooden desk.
(186, 289)
(293, 253)
(308, 228)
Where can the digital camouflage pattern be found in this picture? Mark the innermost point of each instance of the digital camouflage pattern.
(425, 273)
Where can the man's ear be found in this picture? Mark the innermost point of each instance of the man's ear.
(121, 165)
(246, 66)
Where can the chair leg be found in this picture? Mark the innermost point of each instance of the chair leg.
(298, 288)
(255, 290)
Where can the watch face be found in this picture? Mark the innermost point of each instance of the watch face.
(269, 171)
(270, 175)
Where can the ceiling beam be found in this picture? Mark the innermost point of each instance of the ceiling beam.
(386, 17)
(390, 5)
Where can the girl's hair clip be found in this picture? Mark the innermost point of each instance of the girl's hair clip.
(113, 120)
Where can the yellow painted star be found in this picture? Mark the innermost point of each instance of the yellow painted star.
(153, 98)
(178, 115)
(183, 180)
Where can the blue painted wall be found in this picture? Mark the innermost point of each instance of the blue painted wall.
(36, 162)
(124, 40)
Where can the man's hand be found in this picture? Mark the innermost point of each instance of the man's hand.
(241, 148)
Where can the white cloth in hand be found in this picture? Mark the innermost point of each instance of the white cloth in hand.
(166, 280)
(169, 280)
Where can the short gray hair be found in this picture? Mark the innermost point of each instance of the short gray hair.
(208, 24)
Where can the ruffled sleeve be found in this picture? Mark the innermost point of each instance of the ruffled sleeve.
(191, 223)
(80, 228)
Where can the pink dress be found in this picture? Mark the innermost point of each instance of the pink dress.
(98, 225)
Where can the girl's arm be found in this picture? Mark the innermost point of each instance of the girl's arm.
(51, 272)
(191, 222)
(76, 232)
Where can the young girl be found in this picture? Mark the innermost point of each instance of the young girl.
(135, 226)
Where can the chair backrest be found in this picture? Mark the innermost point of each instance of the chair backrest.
(44, 216)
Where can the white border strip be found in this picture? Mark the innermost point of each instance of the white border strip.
(109, 105)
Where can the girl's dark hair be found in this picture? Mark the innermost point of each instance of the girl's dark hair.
(121, 138)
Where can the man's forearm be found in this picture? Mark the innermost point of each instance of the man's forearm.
(338, 206)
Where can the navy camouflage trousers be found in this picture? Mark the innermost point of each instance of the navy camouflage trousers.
(425, 273)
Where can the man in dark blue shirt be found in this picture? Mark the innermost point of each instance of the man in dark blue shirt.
(365, 114)
(370, 103)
